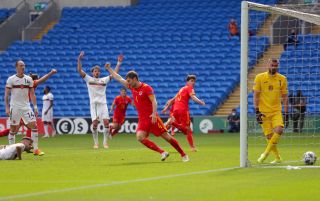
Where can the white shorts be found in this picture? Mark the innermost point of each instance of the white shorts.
(47, 117)
(16, 114)
(99, 111)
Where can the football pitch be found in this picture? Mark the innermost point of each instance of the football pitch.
(72, 170)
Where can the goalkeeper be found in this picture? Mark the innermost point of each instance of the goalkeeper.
(270, 88)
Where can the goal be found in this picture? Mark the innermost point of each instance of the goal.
(291, 34)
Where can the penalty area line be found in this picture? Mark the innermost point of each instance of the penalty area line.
(115, 183)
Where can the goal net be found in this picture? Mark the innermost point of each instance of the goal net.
(291, 35)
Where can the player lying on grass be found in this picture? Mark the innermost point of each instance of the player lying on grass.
(14, 151)
(149, 121)
(270, 88)
(120, 103)
(181, 112)
(98, 101)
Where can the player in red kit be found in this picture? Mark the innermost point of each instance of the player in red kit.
(149, 121)
(181, 114)
(121, 103)
(171, 118)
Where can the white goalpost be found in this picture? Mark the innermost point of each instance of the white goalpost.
(290, 34)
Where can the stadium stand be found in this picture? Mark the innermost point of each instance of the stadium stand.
(301, 66)
(5, 13)
(162, 40)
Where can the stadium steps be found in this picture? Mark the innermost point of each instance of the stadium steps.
(315, 29)
(234, 99)
(265, 29)
(45, 30)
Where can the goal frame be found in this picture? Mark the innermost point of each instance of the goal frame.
(245, 7)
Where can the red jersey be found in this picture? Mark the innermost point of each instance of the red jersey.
(182, 100)
(121, 105)
(142, 101)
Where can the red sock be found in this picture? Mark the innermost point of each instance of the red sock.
(4, 132)
(190, 138)
(28, 132)
(151, 145)
(176, 145)
(184, 129)
(114, 132)
(172, 131)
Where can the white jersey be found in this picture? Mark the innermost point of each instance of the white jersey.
(9, 152)
(47, 98)
(19, 91)
(97, 88)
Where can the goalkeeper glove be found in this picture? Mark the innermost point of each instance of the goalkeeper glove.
(259, 116)
(286, 119)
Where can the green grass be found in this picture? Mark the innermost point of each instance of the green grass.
(72, 170)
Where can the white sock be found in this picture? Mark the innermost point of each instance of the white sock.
(11, 138)
(95, 136)
(34, 137)
(46, 132)
(105, 135)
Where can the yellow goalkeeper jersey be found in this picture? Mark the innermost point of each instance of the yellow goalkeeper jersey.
(271, 89)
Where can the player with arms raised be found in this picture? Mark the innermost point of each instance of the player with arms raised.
(181, 112)
(120, 103)
(269, 89)
(149, 121)
(19, 86)
(98, 101)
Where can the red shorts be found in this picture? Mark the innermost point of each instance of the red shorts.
(119, 119)
(182, 117)
(147, 126)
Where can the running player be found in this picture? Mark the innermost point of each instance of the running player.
(19, 86)
(181, 108)
(270, 88)
(14, 151)
(169, 104)
(149, 121)
(121, 103)
(47, 112)
(98, 102)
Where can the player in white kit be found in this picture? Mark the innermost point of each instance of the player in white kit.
(19, 86)
(98, 102)
(14, 151)
(47, 112)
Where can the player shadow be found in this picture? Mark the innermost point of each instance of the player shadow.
(142, 163)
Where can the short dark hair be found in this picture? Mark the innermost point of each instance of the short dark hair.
(34, 76)
(132, 74)
(27, 138)
(274, 60)
(48, 88)
(95, 67)
(189, 77)
(123, 89)
(18, 62)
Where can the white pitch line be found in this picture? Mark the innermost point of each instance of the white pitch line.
(114, 183)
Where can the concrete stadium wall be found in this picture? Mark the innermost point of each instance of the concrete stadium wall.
(71, 3)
